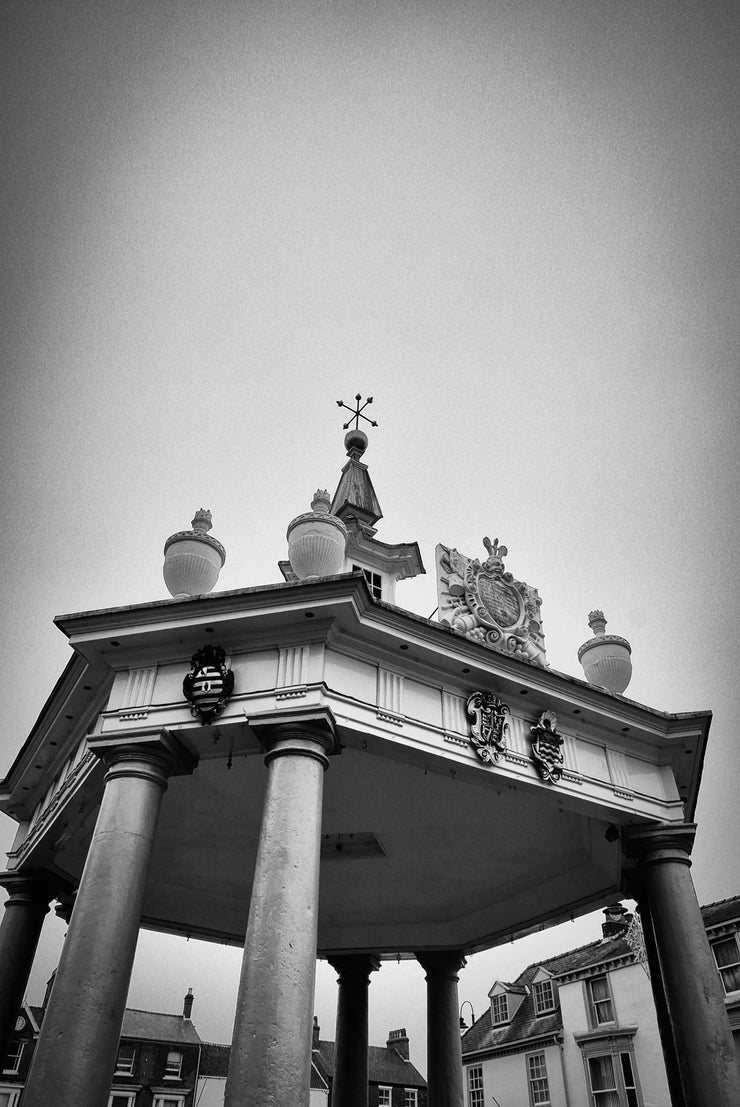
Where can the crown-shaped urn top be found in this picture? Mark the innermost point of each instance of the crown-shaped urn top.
(193, 558)
(202, 521)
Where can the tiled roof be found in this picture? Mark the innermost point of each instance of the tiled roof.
(585, 957)
(725, 910)
(526, 1025)
(154, 1026)
(385, 1066)
(214, 1060)
(317, 1080)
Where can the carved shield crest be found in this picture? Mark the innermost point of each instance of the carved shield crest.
(488, 731)
(547, 747)
(209, 683)
(498, 601)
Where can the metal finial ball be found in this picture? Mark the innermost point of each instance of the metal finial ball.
(355, 442)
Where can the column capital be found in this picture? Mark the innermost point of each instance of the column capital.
(354, 965)
(156, 753)
(32, 887)
(305, 731)
(659, 843)
(441, 962)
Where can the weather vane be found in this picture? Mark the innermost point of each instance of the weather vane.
(357, 412)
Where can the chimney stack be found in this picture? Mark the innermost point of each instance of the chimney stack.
(399, 1040)
(616, 922)
(187, 1004)
(316, 1033)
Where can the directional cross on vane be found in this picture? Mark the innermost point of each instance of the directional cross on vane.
(357, 412)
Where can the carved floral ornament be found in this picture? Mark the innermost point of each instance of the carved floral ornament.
(209, 683)
(488, 729)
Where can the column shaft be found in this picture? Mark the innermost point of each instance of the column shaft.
(444, 1052)
(701, 1030)
(76, 1051)
(350, 1087)
(25, 908)
(665, 1028)
(270, 1063)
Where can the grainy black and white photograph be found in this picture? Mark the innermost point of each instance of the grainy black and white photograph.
(371, 380)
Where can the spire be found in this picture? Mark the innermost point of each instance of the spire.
(355, 496)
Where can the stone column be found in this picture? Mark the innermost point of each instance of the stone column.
(693, 992)
(25, 908)
(444, 1052)
(76, 1051)
(349, 1088)
(661, 1003)
(270, 1060)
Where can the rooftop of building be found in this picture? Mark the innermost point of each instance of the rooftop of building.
(385, 1065)
(158, 1027)
(526, 1025)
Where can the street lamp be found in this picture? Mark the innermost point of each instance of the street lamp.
(463, 1025)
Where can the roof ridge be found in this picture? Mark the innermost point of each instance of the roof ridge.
(717, 902)
(557, 956)
(167, 1014)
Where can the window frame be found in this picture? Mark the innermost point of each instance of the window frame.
(733, 966)
(616, 1046)
(125, 1071)
(529, 1060)
(620, 1088)
(373, 579)
(496, 999)
(593, 1005)
(414, 1100)
(539, 986)
(475, 1086)
(13, 1092)
(173, 1075)
(382, 1088)
(13, 1070)
(121, 1092)
(161, 1099)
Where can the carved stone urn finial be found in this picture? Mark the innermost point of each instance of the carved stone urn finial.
(317, 540)
(605, 658)
(193, 559)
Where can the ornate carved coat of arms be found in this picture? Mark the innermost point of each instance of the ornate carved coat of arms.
(483, 602)
(547, 747)
(488, 731)
(209, 683)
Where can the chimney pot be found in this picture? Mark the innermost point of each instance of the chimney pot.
(399, 1040)
(616, 922)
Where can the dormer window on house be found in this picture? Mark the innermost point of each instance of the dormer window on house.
(125, 1060)
(543, 994)
(499, 1008)
(600, 1005)
(727, 956)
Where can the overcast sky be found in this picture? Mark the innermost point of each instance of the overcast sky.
(515, 224)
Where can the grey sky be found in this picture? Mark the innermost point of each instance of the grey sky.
(515, 224)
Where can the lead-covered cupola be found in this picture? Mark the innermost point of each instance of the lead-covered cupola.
(355, 507)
